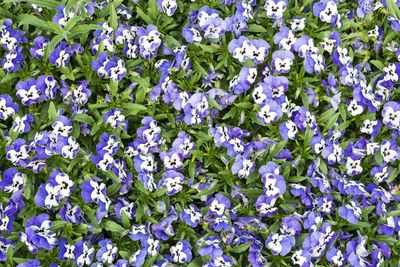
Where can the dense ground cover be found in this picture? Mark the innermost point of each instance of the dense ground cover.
(199, 133)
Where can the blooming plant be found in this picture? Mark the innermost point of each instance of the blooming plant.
(199, 133)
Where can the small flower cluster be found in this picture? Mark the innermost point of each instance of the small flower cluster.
(202, 133)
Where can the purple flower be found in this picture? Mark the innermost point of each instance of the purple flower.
(275, 8)
(149, 41)
(18, 152)
(115, 118)
(243, 166)
(173, 159)
(191, 35)
(391, 115)
(67, 147)
(167, 6)
(236, 24)
(326, 10)
(389, 150)
(12, 181)
(172, 181)
(181, 252)
(107, 251)
(82, 93)
(280, 244)
(62, 54)
(38, 232)
(191, 215)
(47, 196)
(210, 246)
(288, 130)
(282, 61)
(63, 15)
(285, 38)
(28, 92)
(8, 108)
(92, 191)
(71, 214)
(218, 205)
(314, 62)
(335, 257)
(39, 45)
(84, 253)
(350, 212)
(4, 246)
(270, 112)
(13, 60)
(109, 67)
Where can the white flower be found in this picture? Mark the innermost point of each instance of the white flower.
(177, 253)
(292, 129)
(354, 108)
(353, 165)
(173, 184)
(274, 244)
(4, 110)
(97, 194)
(64, 184)
(31, 94)
(329, 12)
(368, 126)
(275, 10)
(217, 208)
(68, 151)
(283, 65)
(59, 128)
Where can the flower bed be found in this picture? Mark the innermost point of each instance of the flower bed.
(199, 133)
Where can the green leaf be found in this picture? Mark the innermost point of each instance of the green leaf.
(332, 121)
(27, 19)
(199, 68)
(83, 29)
(393, 175)
(393, 9)
(196, 263)
(50, 4)
(114, 177)
(297, 179)
(153, 8)
(83, 118)
(9, 77)
(326, 115)
(308, 135)
(323, 167)
(241, 248)
(72, 22)
(113, 227)
(52, 112)
(112, 189)
(245, 105)
(214, 104)
(132, 109)
(192, 169)
(377, 63)
(53, 43)
(143, 16)
(125, 220)
(276, 148)
(9, 255)
(113, 19)
(256, 28)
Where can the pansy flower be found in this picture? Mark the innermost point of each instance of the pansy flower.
(38, 232)
(275, 8)
(172, 181)
(7, 107)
